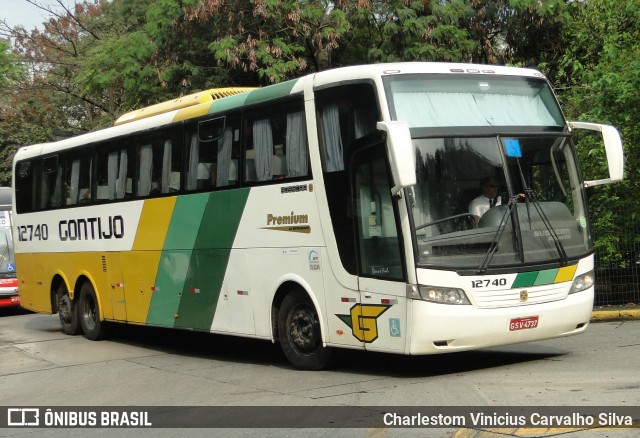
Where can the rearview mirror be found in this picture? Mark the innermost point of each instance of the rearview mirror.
(402, 156)
(613, 149)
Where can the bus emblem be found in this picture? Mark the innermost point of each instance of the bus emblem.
(363, 320)
(524, 295)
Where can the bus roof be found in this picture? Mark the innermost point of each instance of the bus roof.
(399, 68)
(181, 102)
(326, 76)
(223, 99)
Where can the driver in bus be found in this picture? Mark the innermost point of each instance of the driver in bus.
(488, 198)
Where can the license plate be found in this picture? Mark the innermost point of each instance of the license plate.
(523, 323)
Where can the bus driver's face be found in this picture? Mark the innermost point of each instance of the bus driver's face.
(490, 189)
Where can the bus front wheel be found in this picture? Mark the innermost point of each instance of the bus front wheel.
(93, 328)
(67, 311)
(299, 333)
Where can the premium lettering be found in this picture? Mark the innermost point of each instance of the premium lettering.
(291, 219)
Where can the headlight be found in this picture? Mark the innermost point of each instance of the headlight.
(582, 282)
(443, 295)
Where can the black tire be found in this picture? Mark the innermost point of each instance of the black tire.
(68, 311)
(89, 311)
(299, 333)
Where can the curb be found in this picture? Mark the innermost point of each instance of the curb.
(615, 314)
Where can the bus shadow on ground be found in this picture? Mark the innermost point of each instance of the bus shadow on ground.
(235, 349)
(13, 311)
(386, 364)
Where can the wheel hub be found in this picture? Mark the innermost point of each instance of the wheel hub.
(302, 329)
(64, 308)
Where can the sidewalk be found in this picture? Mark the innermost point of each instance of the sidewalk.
(615, 313)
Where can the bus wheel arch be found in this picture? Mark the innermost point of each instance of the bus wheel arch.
(65, 307)
(299, 329)
(93, 326)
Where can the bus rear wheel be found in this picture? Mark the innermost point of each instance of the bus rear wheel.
(299, 333)
(67, 311)
(93, 328)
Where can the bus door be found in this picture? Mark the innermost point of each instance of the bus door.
(382, 277)
(366, 291)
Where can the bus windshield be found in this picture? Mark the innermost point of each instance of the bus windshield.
(498, 201)
(437, 101)
(497, 179)
(7, 262)
(8, 281)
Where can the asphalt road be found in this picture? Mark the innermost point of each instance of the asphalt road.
(138, 366)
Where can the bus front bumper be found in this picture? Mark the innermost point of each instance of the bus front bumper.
(442, 328)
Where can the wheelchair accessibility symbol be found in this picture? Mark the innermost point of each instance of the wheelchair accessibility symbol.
(394, 327)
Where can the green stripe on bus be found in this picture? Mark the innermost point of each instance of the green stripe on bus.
(185, 222)
(546, 277)
(176, 258)
(536, 278)
(228, 103)
(524, 279)
(210, 258)
(255, 96)
(221, 219)
(270, 92)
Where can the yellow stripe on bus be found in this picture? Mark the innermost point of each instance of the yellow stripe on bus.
(181, 102)
(154, 223)
(565, 274)
(192, 111)
(142, 262)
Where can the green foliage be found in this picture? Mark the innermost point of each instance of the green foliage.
(24, 120)
(599, 77)
(10, 68)
(276, 39)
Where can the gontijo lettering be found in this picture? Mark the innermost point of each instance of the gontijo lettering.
(91, 228)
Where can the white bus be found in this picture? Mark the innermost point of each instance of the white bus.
(323, 212)
(8, 281)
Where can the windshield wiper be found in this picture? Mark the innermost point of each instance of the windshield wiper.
(529, 194)
(513, 200)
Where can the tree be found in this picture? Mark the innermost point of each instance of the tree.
(10, 71)
(522, 32)
(277, 39)
(599, 79)
(10, 68)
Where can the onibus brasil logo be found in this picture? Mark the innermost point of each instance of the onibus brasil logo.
(363, 320)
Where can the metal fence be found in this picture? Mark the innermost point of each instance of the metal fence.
(618, 284)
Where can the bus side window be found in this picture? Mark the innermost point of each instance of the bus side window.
(297, 146)
(224, 172)
(78, 177)
(158, 162)
(276, 143)
(343, 114)
(113, 174)
(202, 148)
(25, 187)
(51, 183)
(259, 154)
(380, 251)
